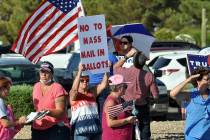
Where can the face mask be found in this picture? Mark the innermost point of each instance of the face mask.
(46, 82)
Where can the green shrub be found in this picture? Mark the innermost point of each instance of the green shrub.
(20, 97)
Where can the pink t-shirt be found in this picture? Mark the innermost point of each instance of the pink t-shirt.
(9, 133)
(116, 133)
(47, 101)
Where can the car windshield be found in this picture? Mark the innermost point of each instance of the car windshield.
(161, 62)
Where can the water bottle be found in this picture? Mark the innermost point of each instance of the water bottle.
(137, 132)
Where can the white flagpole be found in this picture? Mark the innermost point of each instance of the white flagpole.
(81, 14)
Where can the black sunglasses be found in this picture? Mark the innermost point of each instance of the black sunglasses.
(125, 43)
(84, 79)
(124, 86)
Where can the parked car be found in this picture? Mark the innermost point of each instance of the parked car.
(174, 70)
(173, 45)
(19, 69)
(159, 48)
(205, 51)
(159, 109)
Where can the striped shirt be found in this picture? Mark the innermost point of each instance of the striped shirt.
(85, 118)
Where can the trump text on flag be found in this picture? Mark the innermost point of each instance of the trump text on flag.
(195, 61)
(93, 44)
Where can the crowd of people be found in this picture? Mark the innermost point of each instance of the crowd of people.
(93, 97)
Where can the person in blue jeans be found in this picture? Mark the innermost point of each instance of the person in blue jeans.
(95, 79)
(197, 126)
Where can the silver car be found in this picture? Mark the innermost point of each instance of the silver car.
(19, 69)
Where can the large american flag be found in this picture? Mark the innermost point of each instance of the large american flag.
(114, 111)
(51, 27)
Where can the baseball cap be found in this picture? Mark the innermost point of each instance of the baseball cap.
(47, 66)
(117, 79)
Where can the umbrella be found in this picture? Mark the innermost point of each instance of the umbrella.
(142, 39)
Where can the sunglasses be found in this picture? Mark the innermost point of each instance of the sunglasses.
(123, 42)
(84, 80)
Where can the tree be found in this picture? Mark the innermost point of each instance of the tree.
(12, 15)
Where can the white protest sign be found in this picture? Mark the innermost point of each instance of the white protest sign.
(93, 44)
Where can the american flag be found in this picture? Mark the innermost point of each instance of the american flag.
(113, 111)
(51, 27)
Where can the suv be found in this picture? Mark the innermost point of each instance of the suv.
(169, 47)
(19, 69)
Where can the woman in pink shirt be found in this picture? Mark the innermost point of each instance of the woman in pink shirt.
(116, 127)
(49, 95)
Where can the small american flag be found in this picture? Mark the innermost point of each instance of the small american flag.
(51, 27)
(113, 111)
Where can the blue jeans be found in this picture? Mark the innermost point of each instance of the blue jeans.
(53, 133)
(88, 137)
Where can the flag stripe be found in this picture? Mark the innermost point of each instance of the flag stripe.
(71, 38)
(43, 31)
(52, 47)
(50, 28)
(40, 30)
(114, 111)
(74, 38)
(62, 39)
(42, 36)
(68, 38)
(31, 25)
(16, 45)
(53, 36)
(43, 23)
(54, 33)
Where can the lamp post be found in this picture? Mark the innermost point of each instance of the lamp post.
(203, 28)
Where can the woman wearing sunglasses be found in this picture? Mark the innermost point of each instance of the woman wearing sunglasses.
(116, 127)
(197, 125)
(85, 121)
(125, 45)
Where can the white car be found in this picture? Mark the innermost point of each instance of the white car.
(174, 68)
(159, 48)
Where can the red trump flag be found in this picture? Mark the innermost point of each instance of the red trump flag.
(51, 27)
